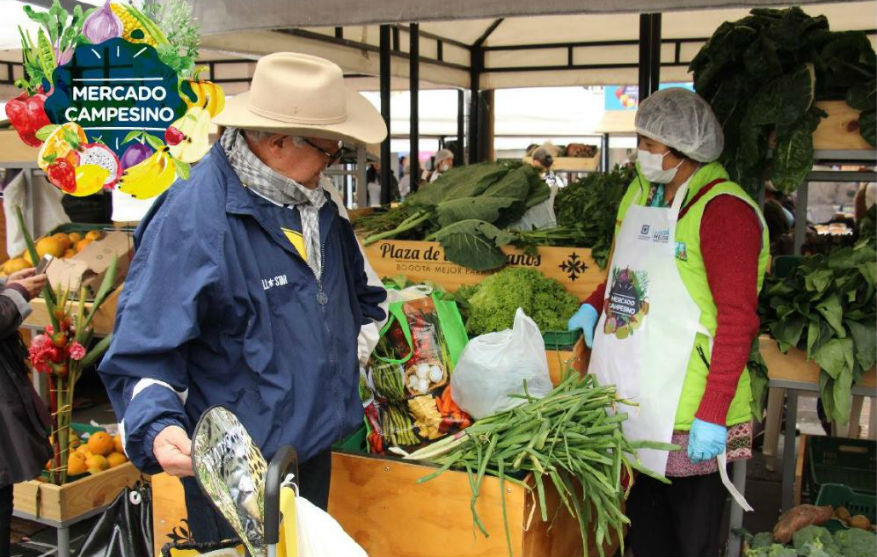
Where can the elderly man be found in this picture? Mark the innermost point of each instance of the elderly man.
(443, 161)
(247, 289)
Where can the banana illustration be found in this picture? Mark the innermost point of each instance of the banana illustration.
(150, 177)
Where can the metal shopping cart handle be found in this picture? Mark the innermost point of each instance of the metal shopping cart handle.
(283, 462)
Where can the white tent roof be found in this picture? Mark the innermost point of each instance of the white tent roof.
(553, 42)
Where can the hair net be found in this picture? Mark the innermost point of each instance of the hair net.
(443, 154)
(543, 156)
(681, 119)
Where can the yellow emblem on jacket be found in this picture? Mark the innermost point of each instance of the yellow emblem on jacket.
(297, 241)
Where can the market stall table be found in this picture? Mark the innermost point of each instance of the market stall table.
(794, 373)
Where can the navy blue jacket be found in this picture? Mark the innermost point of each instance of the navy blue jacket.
(219, 308)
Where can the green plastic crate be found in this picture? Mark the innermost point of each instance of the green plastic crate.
(835, 460)
(353, 443)
(840, 495)
(561, 340)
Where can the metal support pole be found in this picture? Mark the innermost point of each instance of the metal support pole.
(385, 113)
(789, 452)
(63, 541)
(414, 71)
(655, 53)
(801, 217)
(361, 186)
(459, 156)
(475, 104)
(649, 54)
(604, 152)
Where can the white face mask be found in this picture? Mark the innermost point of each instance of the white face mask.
(652, 167)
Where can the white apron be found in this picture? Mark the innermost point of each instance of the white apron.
(646, 332)
(644, 337)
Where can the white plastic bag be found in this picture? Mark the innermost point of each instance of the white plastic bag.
(495, 365)
(320, 535)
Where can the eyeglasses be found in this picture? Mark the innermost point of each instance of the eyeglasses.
(331, 158)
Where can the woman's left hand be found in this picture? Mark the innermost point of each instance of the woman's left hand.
(706, 440)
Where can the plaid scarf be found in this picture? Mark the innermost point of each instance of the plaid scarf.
(278, 189)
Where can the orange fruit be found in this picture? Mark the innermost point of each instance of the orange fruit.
(50, 245)
(96, 464)
(63, 238)
(100, 443)
(93, 234)
(26, 257)
(69, 253)
(76, 464)
(74, 237)
(80, 245)
(116, 459)
(117, 444)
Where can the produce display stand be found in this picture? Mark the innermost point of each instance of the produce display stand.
(392, 514)
(62, 506)
(573, 164)
(794, 373)
(425, 261)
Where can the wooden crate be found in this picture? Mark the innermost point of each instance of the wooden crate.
(68, 501)
(573, 164)
(794, 365)
(421, 261)
(103, 320)
(840, 130)
(558, 360)
(380, 504)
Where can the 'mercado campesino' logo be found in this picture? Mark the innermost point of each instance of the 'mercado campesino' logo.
(112, 100)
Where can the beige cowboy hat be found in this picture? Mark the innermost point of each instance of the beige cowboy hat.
(299, 94)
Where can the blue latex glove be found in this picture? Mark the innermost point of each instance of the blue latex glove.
(706, 440)
(585, 319)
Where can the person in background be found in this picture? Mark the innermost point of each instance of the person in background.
(674, 326)
(442, 162)
(24, 421)
(405, 182)
(780, 220)
(542, 215)
(374, 187)
(263, 312)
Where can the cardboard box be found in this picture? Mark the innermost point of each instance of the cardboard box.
(88, 267)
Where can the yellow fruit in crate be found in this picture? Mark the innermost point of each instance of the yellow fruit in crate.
(117, 444)
(50, 245)
(100, 443)
(80, 245)
(64, 239)
(14, 265)
(93, 235)
(116, 459)
(76, 464)
(96, 463)
(74, 237)
(69, 253)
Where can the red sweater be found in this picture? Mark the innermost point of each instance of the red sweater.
(730, 242)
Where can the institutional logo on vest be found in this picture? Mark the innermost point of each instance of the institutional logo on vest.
(628, 302)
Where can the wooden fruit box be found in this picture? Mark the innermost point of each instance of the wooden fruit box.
(103, 320)
(422, 261)
(840, 130)
(380, 504)
(71, 500)
(794, 365)
(573, 164)
(560, 360)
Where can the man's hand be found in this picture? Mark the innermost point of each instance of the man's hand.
(173, 449)
(31, 282)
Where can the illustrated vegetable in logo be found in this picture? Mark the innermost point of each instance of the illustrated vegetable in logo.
(112, 97)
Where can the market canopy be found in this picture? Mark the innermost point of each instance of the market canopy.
(578, 43)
